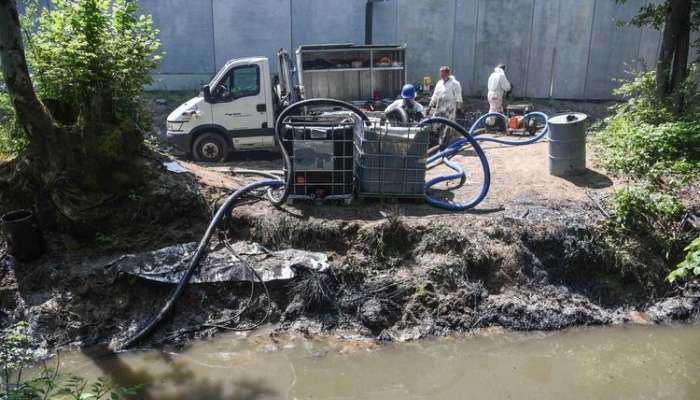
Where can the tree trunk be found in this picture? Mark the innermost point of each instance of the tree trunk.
(669, 44)
(31, 112)
(679, 72)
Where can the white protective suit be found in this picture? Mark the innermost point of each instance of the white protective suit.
(498, 86)
(446, 98)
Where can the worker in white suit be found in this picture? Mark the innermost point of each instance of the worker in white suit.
(498, 87)
(446, 99)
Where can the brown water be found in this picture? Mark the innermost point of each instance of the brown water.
(623, 362)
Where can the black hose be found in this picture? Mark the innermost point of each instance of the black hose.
(228, 204)
(194, 262)
(280, 140)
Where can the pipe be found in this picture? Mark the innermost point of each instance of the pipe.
(533, 139)
(459, 172)
(469, 139)
(196, 259)
(444, 155)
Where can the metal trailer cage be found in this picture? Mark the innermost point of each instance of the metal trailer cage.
(320, 149)
(390, 160)
(349, 71)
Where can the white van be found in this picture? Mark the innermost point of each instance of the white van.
(236, 110)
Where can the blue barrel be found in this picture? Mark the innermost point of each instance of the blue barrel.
(567, 144)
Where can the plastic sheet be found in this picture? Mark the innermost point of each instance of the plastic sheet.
(220, 265)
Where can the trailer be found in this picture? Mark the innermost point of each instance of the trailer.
(350, 71)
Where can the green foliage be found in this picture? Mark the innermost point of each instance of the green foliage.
(640, 209)
(94, 54)
(690, 265)
(14, 349)
(644, 139)
(642, 104)
(16, 354)
(12, 138)
(644, 150)
(653, 14)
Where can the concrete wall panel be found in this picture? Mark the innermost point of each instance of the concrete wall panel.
(542, 44)
(244, 29)
(575, 22)
(503, 36)
(614, 50)
(427, 26)
(385, 22)
(327, 21)
(649, 47)
(186, 34)
(560, 48)
(464, 48)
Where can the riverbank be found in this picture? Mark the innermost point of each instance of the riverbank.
(532, 256)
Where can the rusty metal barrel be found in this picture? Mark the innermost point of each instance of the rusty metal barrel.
(567, 144)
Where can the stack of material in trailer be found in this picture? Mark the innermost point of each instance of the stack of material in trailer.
(320, 149)
(390, 160)
(350, 71)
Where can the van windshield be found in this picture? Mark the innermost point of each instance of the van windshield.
(218, 76)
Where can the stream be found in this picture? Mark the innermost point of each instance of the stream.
(629, 361)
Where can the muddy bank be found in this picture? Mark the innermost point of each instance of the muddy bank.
(533, 256)
(393, 278)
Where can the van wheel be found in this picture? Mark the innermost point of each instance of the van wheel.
(209, 147)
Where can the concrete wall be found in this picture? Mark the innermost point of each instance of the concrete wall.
(567, 49)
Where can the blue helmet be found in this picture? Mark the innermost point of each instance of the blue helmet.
(408, 91)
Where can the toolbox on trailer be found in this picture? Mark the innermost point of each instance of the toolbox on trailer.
(320, 148)
(390, 160)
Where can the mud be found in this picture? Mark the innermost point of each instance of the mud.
(532, 257)
(410, 282)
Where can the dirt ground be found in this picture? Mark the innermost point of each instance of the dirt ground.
(531, 256)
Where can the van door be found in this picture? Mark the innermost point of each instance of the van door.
(239, 105)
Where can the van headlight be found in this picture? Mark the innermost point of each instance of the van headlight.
(175, 126)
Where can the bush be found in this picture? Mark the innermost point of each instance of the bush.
(642, 104)
(12, 137)
(690, 265)
(644, 138)
(96, 55)
(16, 355)
(633, 148)
(642, 210)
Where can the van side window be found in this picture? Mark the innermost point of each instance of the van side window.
(244, 81)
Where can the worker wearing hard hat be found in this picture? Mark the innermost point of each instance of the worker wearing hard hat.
(447, 98)
(406, 109)
(498, 87)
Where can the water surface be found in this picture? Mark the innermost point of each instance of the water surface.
(629, 362)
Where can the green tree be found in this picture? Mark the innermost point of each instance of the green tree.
(677, 18)
(89, 60)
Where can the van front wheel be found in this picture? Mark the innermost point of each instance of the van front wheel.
(209, 147)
